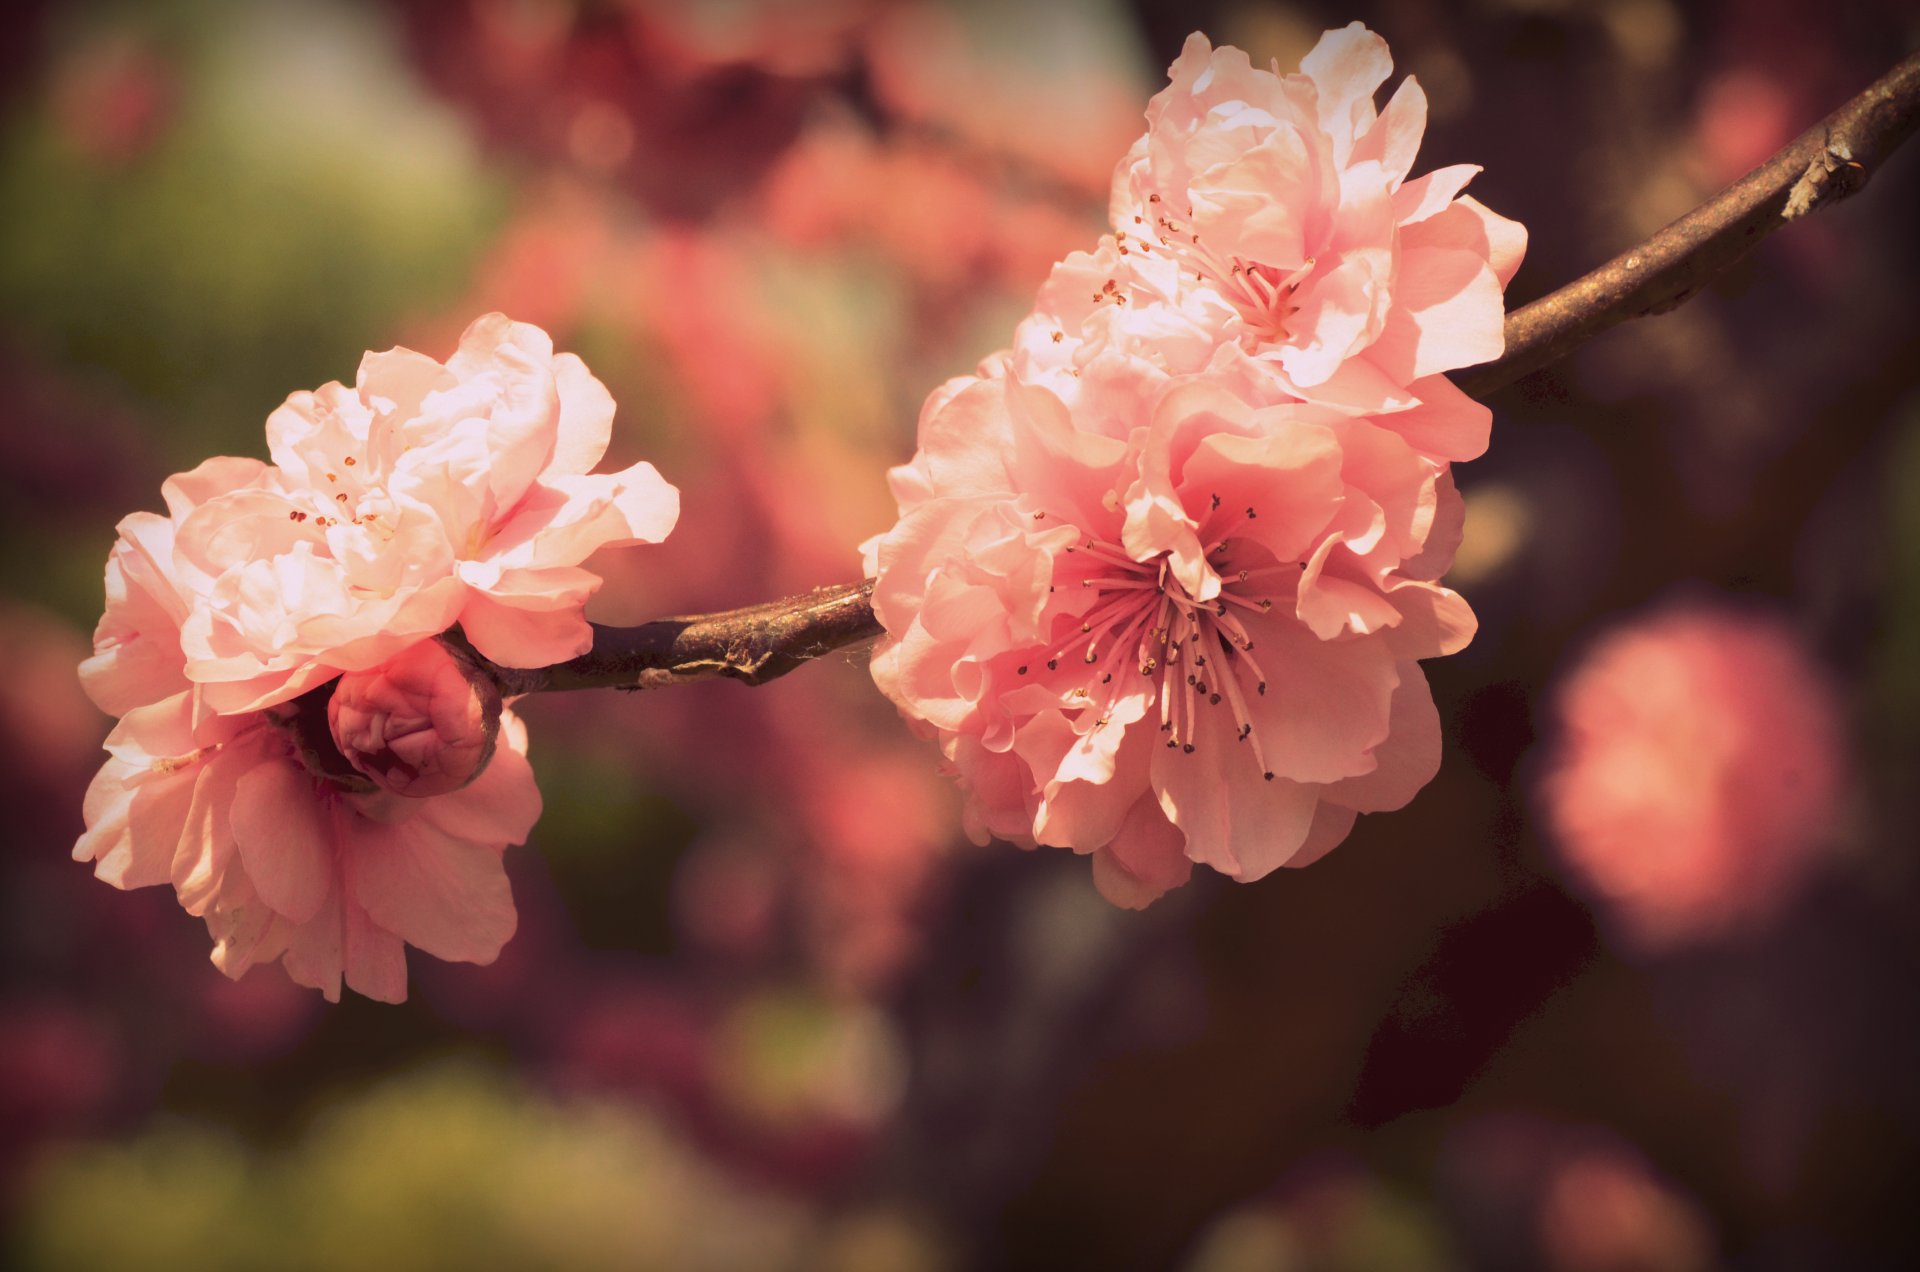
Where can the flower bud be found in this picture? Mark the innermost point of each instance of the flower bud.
(422, 723)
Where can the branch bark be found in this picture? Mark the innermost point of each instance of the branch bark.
(751, 645)
(1825, 164)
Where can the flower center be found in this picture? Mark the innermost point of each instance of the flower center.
(1262, 294)
(1194, 655)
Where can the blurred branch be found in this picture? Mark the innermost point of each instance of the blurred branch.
(1823, 165)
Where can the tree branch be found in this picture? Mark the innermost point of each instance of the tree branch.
(1823, 165)
(751, 645)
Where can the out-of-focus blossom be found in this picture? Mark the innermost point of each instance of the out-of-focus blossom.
(1604, 1210)
(1697, 774)
(49, 734)
(1327, 1214)
(685, 109)
(1267, 231)
(1162, 626)
(1745, 115)
(946, 222)
(422, 723)
(112, 98)
(982, 74)
(283, 858)
(426, 495)
(1527, 1192)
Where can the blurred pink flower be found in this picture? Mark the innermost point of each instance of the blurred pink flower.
(1697, 773)
(282, 861)
(1604, 1210)
(1163, 626)
(686, 107)
(940, 216)
(1266, 230)
(422, 723)
(983, 76)
(113, 96)
(426, 495)
(1528, 1192)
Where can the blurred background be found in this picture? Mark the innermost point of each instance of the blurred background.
(1630, 986)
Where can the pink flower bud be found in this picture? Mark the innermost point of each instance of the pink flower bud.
(422, 723)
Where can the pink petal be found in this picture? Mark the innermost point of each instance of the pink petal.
(1409, 757)
(1447, 313)
(448, 896)
(1445, 425)
(206, 845)
(1290, 480)
(220, 475)
(564, 520)
(133, 830)
(1331, 825)
(586, 419)
(1394, 139)
(1435, 621)
(284, 832)
(498, 807)
(374, 960)
(137, 658)
(1233, 819)
(1506, 239)
(1444, 534)
(1331, 602)
(316, 949)
(255, 693)
(1335, 311)
(245, 932)
(524, 626)
(1433, 192)
(1145, 860)
(1085, 811)
(1347, 67)
(1326, 704)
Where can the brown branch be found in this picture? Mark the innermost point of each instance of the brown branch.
(1823, 165)
(751, 645)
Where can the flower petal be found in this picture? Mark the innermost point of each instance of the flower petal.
(284, 831)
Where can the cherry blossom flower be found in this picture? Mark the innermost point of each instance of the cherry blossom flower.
(1697, 772)
(1160, 625)
(425, 496)
(1266, 230)
(329, 875)
(1164, 568)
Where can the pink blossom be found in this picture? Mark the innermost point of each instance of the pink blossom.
(1606, 1210)
(1162, 626)
(422, 723)
(281, 861)
(1266, 231)
(425, 496)
(1697, 772)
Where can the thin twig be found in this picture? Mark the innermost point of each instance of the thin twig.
(1823, 165)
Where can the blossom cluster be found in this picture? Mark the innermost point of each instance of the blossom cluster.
(1165, 567)
(425, 496)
